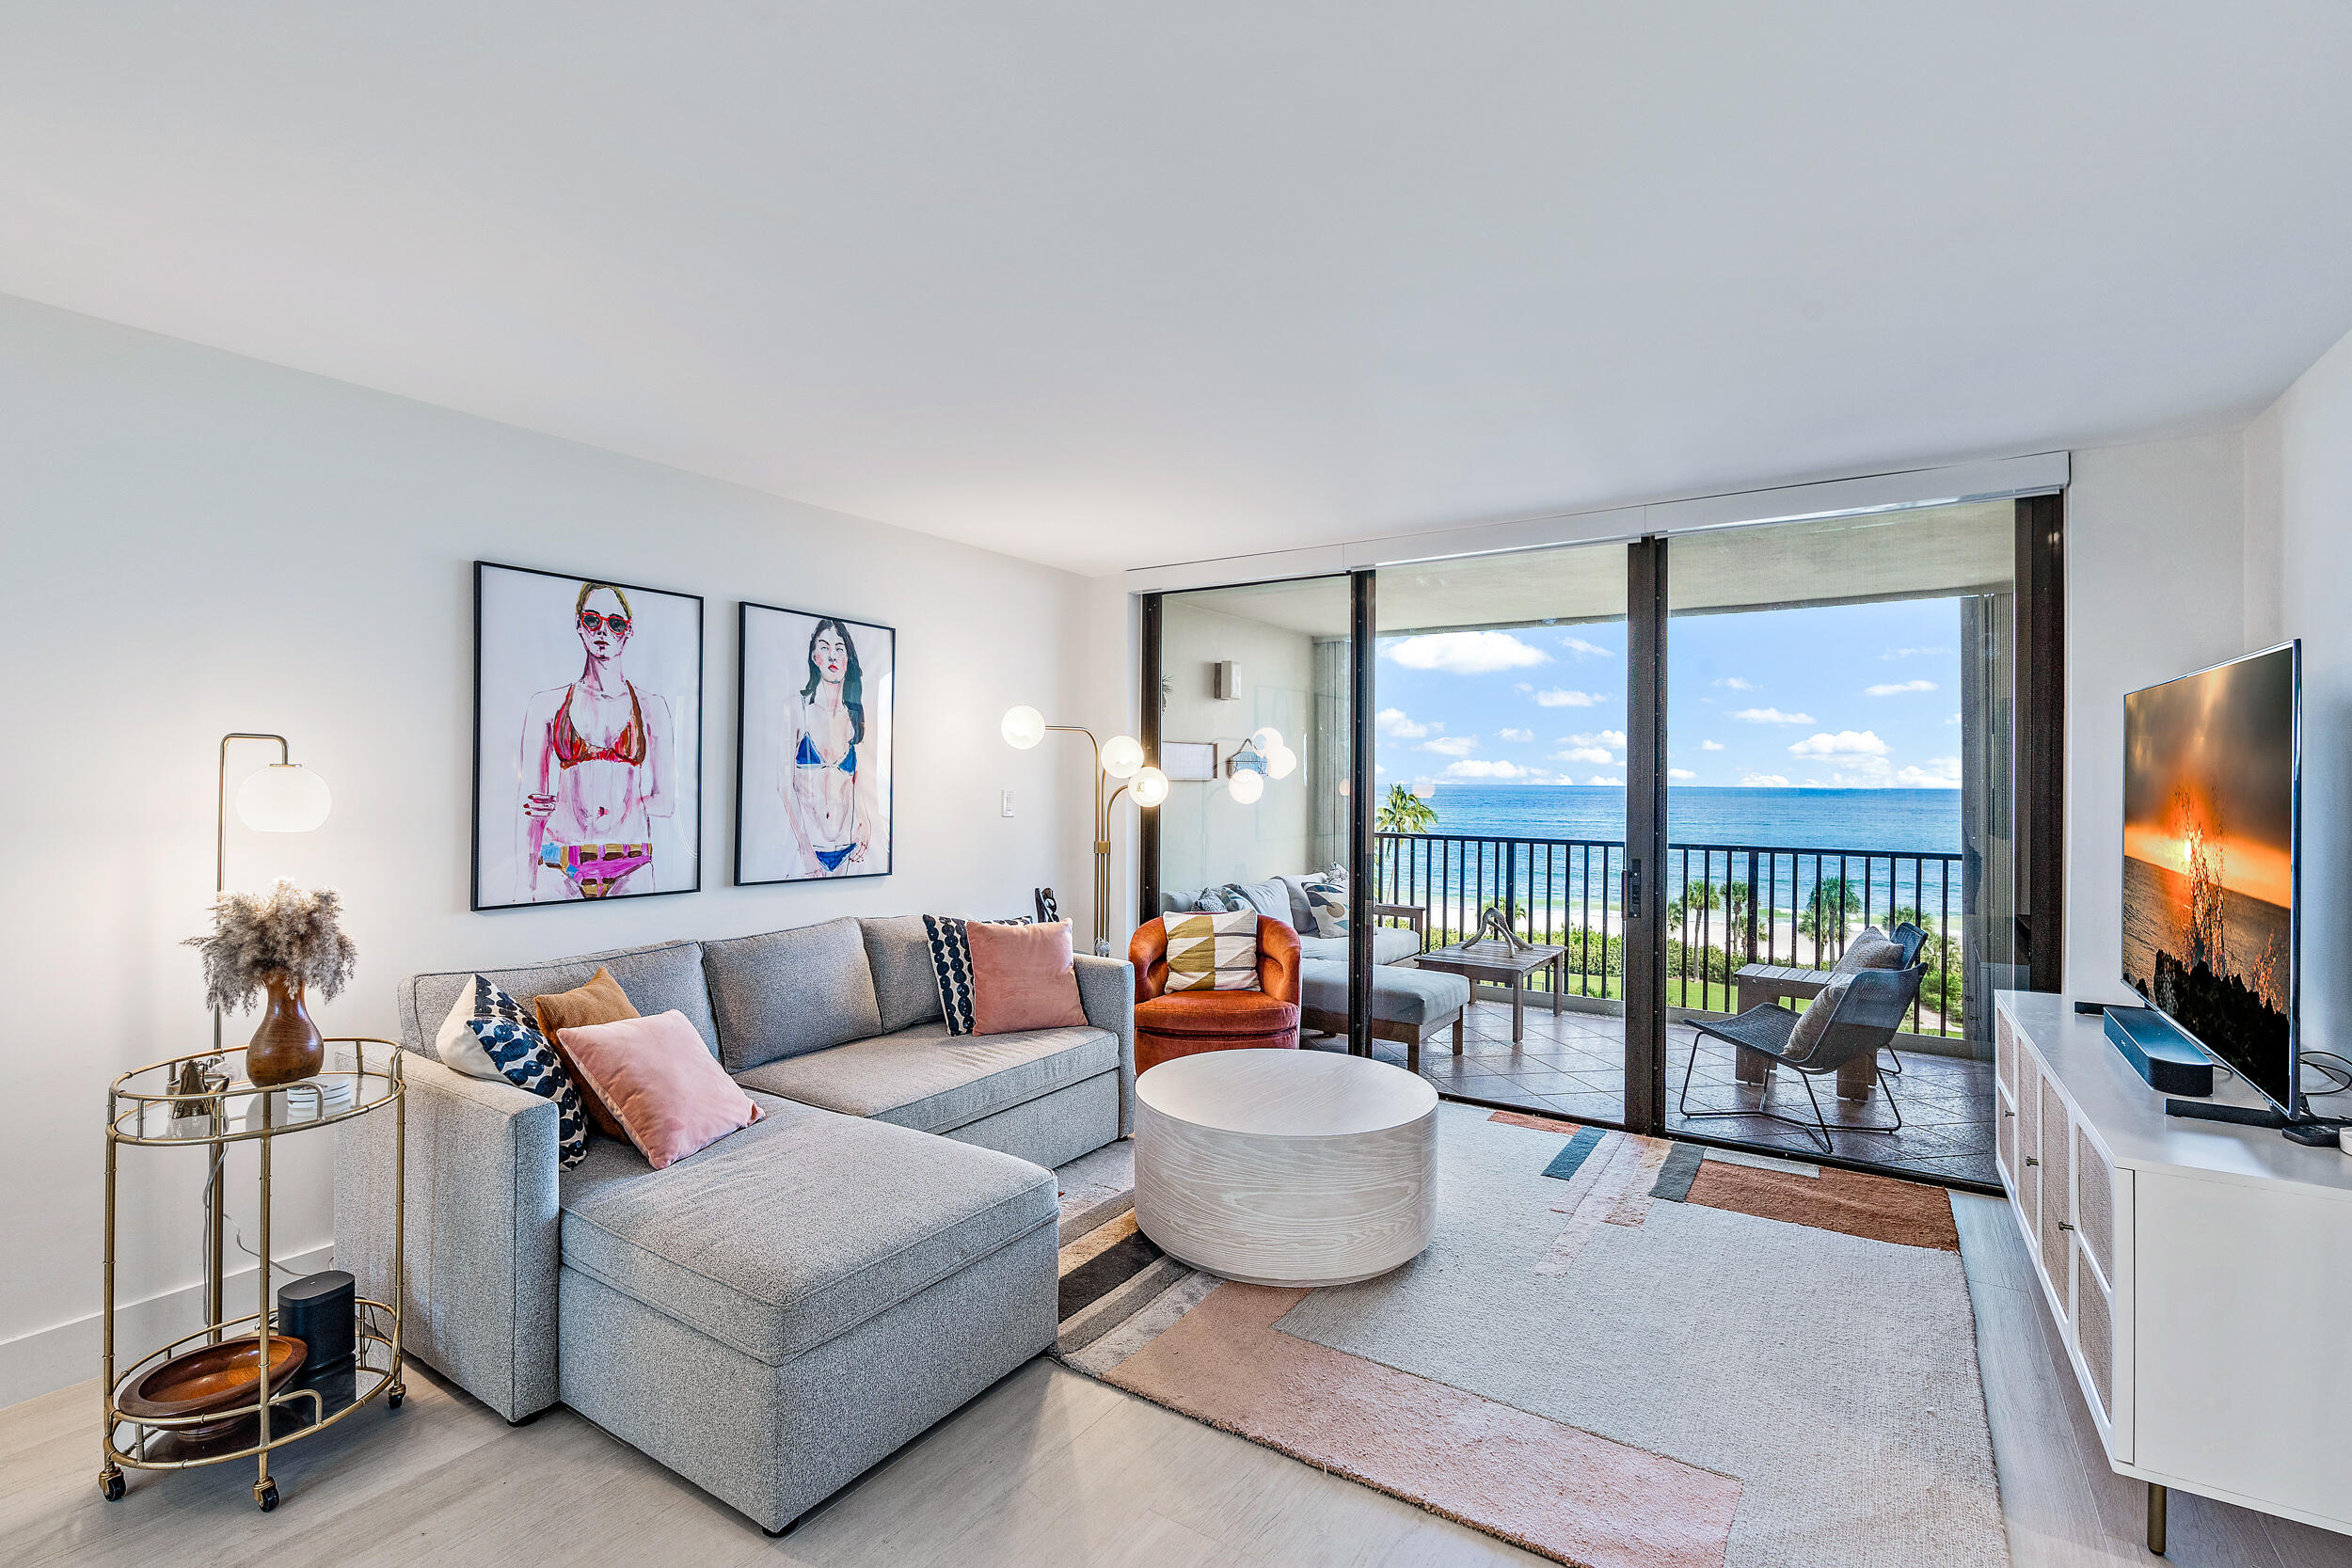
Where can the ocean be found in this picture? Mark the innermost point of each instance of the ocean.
(1887, 833)
(1908, 821)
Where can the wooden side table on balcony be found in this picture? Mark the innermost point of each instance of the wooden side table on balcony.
(1775, 983)
(1491, 961)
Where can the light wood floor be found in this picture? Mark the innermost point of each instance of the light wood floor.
(1047, 1468)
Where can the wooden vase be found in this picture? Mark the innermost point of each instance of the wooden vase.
(286, 1048)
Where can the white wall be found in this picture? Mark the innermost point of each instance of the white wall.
(2300, 474)
(197, 543)
(2156, 578)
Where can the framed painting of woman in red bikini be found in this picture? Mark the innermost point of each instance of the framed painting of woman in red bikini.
(812, 749)
(588, 725)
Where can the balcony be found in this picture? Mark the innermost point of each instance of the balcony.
(1728, 906)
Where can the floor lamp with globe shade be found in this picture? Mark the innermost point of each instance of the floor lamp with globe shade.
(1120, 757)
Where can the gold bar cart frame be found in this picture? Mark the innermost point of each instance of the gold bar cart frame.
(131, 1102)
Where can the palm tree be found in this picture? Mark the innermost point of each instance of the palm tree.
(1405, 812)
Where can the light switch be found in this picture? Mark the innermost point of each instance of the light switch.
(1007, 802)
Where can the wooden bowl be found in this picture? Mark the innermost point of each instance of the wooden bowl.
(213, 1377)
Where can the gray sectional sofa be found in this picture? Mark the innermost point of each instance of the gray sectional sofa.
(774, 1315)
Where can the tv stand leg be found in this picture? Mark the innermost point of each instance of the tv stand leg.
(2155, 1518)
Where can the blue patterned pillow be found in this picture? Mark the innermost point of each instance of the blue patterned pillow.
(951, 965)
(510, 1037)
(1327, 903)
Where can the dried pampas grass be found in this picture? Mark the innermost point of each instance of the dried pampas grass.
(286, 932)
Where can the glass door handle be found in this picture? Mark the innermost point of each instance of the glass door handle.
(1633, 890)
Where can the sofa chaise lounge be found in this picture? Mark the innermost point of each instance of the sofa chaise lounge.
(774, 1315)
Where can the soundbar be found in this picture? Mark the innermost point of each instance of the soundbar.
(2158, 1052)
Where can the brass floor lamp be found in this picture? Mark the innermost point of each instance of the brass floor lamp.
(1119, 757)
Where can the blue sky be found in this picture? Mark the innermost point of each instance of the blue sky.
(1851, 696)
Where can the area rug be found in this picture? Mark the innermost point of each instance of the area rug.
(1649, 1359)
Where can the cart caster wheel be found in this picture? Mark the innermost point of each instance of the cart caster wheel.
(265, 1493)
(396, 1398)
(110, 1484)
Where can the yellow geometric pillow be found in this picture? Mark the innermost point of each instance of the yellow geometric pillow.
(1213, 952)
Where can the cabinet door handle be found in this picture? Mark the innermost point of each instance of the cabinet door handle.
(2031, 1161)
(2009, 1113)
(2063, 1225)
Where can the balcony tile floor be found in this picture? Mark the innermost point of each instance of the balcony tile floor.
(1574, 1065)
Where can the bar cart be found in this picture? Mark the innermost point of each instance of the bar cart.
(204, 1102)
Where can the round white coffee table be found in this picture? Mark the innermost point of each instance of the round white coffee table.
(1286, 1167)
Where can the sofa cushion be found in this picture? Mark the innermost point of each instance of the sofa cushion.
(797, 1228)
(1399, 995)
(935, 1082)
(787, 993)
(1389, 944)
(658, 978)
(1215, 1012)
(900, 957)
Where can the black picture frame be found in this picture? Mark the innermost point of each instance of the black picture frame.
(752, 742)
(683, 745)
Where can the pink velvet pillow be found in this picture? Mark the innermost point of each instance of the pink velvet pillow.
(1022, 977)
(671, 1095)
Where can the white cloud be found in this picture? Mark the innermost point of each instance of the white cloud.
(1736, 684)
(1844, 744)
(1496, 767)
(1558, 697)
(1953, 720)
(1451, 745)
(1773, 716)
(1465, 653)
(1596, 779)
(1906, 653)
(1582, 649)
(1896, 689)
(1507, 734)
(1586, 753)
(1598, 737)
(1940, 773)
(1671, 772)
(1711, 745)
(1763, 780)
(1394, 722)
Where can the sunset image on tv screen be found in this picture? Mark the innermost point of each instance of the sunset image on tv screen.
(2209, 859)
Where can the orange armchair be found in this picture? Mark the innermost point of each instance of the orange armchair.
(1179, 1024)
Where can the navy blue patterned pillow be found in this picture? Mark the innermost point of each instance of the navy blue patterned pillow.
(951, 965)
(510, 1037)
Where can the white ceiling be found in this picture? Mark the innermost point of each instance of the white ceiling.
(1113, 284)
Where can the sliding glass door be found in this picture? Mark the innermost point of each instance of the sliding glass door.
(1249, 716)
(1627, 793)
(1841, 751)
(1500, 784)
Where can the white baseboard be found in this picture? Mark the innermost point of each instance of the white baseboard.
(57, 1357)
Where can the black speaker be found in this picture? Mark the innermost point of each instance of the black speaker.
(320, 1309)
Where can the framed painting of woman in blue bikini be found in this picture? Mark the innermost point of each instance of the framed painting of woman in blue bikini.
(587, 740)
(813, 753)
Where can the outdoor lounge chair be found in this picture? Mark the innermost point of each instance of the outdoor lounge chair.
(1867, 1015)
(1912, 940)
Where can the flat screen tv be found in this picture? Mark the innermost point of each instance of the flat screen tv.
(2212, 786)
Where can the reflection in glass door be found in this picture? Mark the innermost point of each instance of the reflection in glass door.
(1252, 730)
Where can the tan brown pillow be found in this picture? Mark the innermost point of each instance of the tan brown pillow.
(600, 1001)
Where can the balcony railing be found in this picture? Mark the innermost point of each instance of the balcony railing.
(1728, 905)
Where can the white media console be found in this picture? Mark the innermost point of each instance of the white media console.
(2200, 1272)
